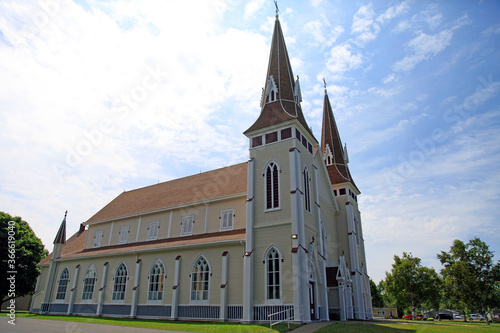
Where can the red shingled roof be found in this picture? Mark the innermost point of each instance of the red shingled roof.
(284, 108)
(338, 171)
(204, 186)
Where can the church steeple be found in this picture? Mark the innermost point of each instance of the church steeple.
(281, 95)
(61, 234)
(335, 155)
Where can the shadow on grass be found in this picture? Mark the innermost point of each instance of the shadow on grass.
(362, 328)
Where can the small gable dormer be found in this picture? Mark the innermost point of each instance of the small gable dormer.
(271, 94)
(328, 154)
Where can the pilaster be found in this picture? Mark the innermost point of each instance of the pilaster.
(102, 290)
(176, 289)
(73, 290)
(248, 274)
(135, 289)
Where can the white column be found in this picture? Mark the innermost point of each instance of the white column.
(102, 290)
(342, 301)
(206, 217)
(322, 285)
(223, 289)
(73, 290)
(135, 289)
(249, 244)
(169, 224)
(299, 258)
(51, 280)
(175, 288)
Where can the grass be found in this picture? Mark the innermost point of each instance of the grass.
(390, 326)
(208, 327)
(409, 327)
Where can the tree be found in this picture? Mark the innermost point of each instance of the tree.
(410, 284)
(20, 252)
(471, 278)
(377, 301)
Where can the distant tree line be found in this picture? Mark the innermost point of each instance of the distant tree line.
(469, 281)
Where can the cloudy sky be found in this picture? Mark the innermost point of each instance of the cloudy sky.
(97, 97)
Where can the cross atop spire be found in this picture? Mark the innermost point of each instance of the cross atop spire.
(324, 83)
(277, 9)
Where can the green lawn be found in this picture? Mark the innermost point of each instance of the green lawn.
(390, 326)
(207, 327)
(409, 327)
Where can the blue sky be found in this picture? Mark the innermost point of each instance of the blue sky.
(100, 97)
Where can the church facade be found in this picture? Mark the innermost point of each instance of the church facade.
(277, 235)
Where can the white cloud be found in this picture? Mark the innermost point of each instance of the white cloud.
(252, 7)
(390, 78)
(323, 33)
(341, 59)
(424, 46)
(367, 27)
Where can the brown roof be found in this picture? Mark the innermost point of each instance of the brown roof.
(76, 243)
(281, 70)
(75, 246)
(204, 186)
(338, 171)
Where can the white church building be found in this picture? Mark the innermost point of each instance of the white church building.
(279, 233)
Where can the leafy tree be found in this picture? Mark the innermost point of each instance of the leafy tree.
(410, 284)
(20, 251)
(377, 301)
(471, 278)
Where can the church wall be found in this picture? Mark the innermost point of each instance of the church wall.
(105, 227)
(115, 232)
(41, 284)
(278, 152)
(214, 213)
(280, 236)
(162, 217)
(199, 220)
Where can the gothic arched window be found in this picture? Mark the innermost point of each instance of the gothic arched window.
(63, 285)
(156, 281)
(200, 280)
(307, 190)
(120, 284)
(273, 275)
(89, 283)
(272, 186)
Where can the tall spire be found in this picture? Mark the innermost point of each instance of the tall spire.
(331, 145)
(281, 95)
(61, 234)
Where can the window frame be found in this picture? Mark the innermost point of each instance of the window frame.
(125, 230)
(161, 284)
(272, 190)
(124, 284)
(98, 235)
(155, 225)
(223, 213)
(278, 259)
(205, 283)
(306, 178)
(187, 219)
(90, 269)
(66, 280)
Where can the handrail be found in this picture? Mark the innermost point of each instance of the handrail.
(271, 324)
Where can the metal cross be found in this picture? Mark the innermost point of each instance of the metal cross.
(276, 4)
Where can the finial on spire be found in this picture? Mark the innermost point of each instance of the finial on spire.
(324, 84)
(277, 9)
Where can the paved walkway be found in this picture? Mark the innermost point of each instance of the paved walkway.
(312, 327)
